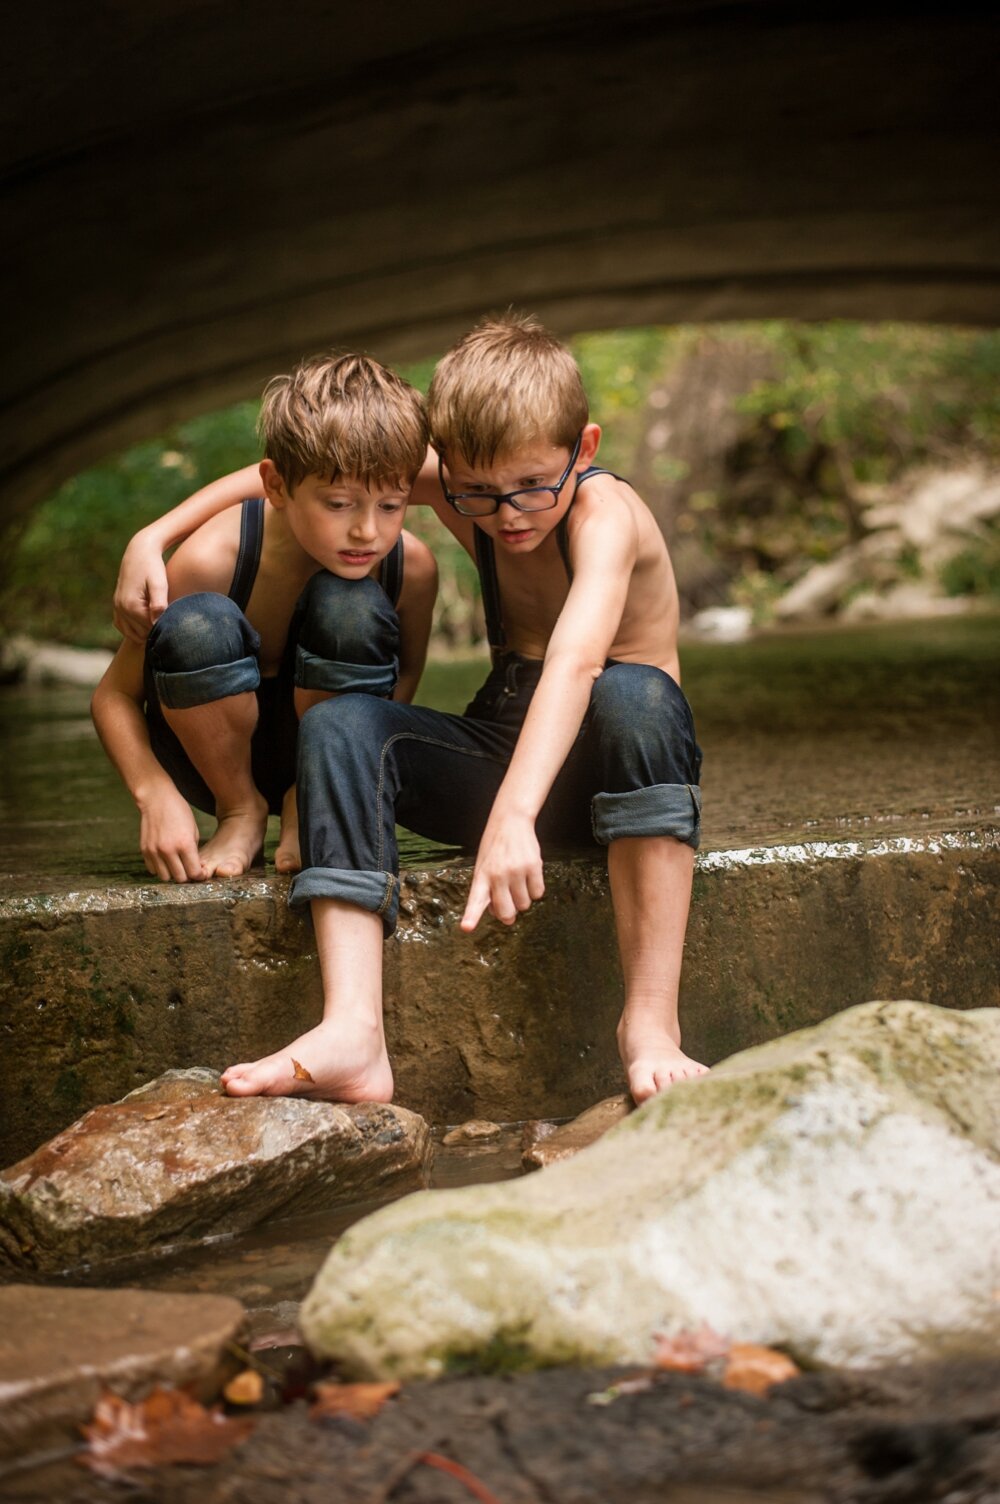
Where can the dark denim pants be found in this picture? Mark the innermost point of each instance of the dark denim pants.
(344, 635)
(366, 764)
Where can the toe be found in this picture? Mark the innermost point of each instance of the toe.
(642, 1083)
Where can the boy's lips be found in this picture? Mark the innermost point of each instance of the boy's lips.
(356, 555)
(515, 535)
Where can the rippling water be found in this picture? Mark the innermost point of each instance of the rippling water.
(827, 735)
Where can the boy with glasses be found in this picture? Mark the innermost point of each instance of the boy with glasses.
(580, 733)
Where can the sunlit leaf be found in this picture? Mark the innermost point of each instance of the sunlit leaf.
(755, 1369)
(247, 1388)
(300, 1072)
(689, 1352)
(359, 1401)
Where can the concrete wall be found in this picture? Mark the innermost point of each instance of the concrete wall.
(102, 990)
(195, 194)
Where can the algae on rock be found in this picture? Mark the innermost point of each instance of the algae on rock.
(835, 1192)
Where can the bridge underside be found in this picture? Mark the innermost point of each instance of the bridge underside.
(196, 195)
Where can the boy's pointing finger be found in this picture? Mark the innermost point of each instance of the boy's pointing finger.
(479, 897)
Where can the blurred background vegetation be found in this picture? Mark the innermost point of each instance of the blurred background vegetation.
(761, 448)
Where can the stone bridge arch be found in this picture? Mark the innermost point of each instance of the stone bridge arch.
(197, 193)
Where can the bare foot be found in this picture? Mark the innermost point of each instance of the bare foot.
(287, 857)
(653, 1059)
(237, 842)
(344, 1061)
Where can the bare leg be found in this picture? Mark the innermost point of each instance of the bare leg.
(287, 857)
(651, 892)
(216, 737)
(345, 1054)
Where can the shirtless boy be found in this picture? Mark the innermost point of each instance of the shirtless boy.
(580, 732)
(307, 590)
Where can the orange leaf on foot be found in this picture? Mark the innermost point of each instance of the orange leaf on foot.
(299, 1071)
(755, 1369)
(689, 1352)
(359, 1401)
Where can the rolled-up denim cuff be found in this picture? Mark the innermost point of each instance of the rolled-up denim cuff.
(378, 892)
(200, 686)
(665, 809)
(343, 678)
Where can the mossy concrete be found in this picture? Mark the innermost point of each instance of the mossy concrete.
(102, 990)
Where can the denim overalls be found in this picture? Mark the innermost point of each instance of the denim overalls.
(343, 635)
(366, 764)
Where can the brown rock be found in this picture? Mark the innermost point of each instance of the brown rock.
(545, 1144)
(58, 1348)
(475, 1131)
(176, 1160)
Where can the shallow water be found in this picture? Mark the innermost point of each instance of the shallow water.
(827, 735)
(271, 1268)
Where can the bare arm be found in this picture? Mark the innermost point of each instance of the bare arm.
(416, 608)
(141, 591)
(508, 873)
(168, 834)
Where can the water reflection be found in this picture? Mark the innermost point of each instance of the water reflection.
(826, 735)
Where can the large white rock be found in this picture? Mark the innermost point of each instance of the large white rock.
(836, 1192)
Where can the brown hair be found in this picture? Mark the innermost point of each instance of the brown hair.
(343, 415)
(506, 384)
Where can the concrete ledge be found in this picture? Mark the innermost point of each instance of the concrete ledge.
(104, 989)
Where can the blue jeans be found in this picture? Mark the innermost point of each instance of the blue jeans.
(343, 635)
(366, 764)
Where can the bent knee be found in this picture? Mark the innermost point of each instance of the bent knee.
(200, 631)
(348, 621)
(639, 695)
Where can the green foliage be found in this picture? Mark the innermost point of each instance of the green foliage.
(749, 486)
(976, 570)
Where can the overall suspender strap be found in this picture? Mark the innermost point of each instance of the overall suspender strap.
(248, 558)
(390, 575)
(487, 565)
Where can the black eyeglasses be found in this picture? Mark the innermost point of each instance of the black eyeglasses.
(535, 499)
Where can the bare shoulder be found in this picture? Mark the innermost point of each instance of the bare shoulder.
(418, 560)
(207, 559)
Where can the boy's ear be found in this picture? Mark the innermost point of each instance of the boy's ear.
(589, 444)
(274, 487)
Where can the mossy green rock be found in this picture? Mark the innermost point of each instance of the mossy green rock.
(836, 1192)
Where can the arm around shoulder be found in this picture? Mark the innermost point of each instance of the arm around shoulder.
(141, 592)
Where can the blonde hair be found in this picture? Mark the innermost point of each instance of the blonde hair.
(343, 415)
(507, 383)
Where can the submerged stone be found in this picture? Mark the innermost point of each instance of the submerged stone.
(178, 1160)
(835, 1193)
(59, 1348)
(475, 1131)
(546, 1144)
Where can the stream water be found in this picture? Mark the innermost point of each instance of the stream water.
(827, 735)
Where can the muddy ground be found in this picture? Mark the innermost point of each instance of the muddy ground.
(901, 1436)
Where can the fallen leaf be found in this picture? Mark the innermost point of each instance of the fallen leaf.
(755, 1369)
(689, 1352)
(300, 1072)
(247, 1388)
(167, 1426)
(359, 1401)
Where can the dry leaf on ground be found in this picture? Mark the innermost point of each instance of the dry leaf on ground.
(755, 1369)
(689, 1352)
(247, 1388)
(359, 1401)
(167, 1426)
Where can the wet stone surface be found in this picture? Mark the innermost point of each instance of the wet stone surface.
(548, 1143)
(58, 1348)
(177, 1160)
